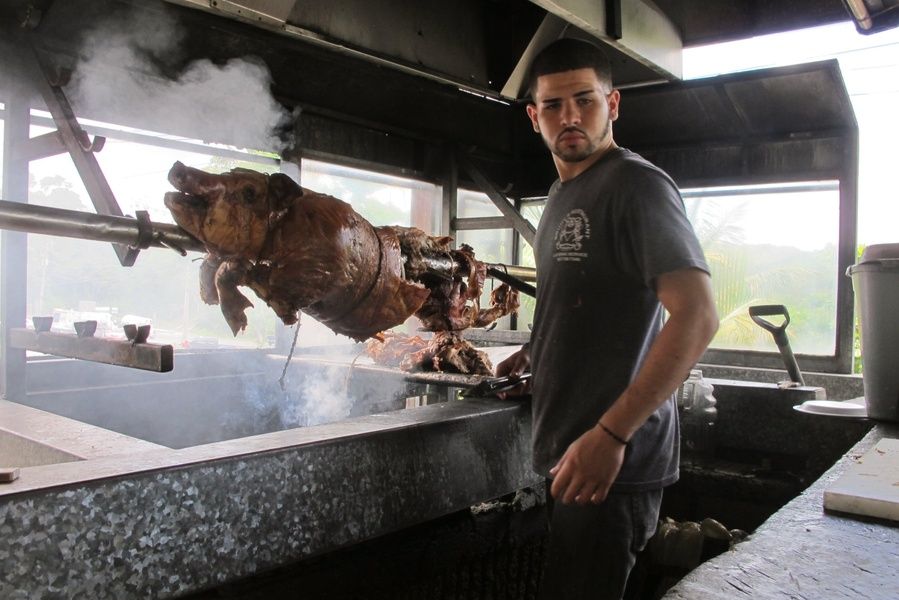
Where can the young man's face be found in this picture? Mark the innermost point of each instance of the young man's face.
(573, 112)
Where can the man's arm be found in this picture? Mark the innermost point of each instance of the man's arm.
(592, 462)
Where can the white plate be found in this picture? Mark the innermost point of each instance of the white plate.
(854, 408)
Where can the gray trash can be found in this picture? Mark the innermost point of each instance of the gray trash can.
(875, 280)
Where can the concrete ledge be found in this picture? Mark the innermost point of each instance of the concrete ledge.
(837, 386)
(30, 437)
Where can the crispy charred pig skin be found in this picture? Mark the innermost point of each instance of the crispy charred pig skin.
(295, 248)
(448, 352)
(445, 352)
(392, 348)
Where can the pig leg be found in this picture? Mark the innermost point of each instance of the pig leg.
(259, 280)
(208, 268)
(228, 276)
(503, 301)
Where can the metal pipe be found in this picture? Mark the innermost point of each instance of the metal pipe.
(500, 272)
(860, 13)
(517, 271)
(514, 275)
(32, 218)
(14, 246)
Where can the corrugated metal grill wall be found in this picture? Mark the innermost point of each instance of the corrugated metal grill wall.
(494, 554)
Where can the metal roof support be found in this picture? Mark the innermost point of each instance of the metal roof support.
(449, 204)
(81, 148)
(519, 223)
(14, 244)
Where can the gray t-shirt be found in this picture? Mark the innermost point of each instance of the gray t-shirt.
(603, 239)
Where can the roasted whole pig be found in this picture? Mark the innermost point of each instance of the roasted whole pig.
(299, 250)
(295, 248)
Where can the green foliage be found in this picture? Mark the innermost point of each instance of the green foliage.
(857, 366)
(803, 281)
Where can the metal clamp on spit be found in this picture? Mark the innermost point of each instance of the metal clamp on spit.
(144, 230)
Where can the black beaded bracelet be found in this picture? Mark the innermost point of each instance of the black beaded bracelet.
(613, 435)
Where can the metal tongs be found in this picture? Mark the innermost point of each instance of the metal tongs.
(494, 385)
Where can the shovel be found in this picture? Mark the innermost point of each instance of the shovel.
(780, 335)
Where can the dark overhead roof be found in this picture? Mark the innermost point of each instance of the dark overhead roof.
(706, 21)
(479, 43)
(792, 101)
(372, 108)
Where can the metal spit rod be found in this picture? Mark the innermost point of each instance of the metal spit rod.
(61, 222)
(142, 233)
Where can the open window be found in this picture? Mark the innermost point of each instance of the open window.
(771, 244)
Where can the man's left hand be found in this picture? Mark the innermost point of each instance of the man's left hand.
(588, 468)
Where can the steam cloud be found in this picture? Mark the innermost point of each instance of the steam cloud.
(121, 78)
(323, 397)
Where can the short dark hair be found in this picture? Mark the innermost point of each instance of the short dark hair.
(569, 54)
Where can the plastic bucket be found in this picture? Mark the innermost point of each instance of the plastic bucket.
(875, 280)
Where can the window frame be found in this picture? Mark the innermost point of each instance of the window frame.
(840, 361)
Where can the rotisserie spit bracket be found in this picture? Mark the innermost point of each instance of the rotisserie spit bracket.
(124, 353)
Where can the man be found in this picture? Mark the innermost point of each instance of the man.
(613, 249)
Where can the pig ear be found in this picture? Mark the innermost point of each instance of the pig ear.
(282, 190)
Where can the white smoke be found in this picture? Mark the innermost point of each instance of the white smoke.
(321, 397)
(121, 78)
(319, 391)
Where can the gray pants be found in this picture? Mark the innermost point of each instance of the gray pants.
(592, 549)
